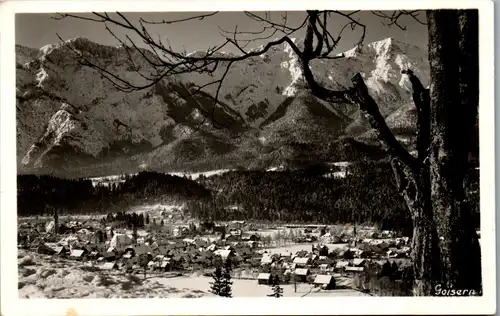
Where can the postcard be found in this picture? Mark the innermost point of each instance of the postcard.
(272, 157)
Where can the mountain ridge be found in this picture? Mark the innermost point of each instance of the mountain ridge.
(62, 105)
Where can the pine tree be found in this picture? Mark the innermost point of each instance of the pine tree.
(277, 289)
(216, 285)
(226, 290)
(135, 233)
(143, 262)
(56, 222)
(147, 219)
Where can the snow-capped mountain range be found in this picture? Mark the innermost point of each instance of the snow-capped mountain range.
(69, 117)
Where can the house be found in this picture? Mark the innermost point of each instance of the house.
(153, 265)
(266, 259)
(352, 271)
(301, 275)
(326, 238)
(326, 282)
(120, 242)
(237, 224)
(61, 250)
(77, 253)
(245, 252)
(212, 247)
(323, 267)
(263, 278)
(165, 265)
(352, 242)
(235, 232)
(313, 257)
(44, 249)
(158, 258)
(340, 265)
(110, 255)
(322, 250)
(224, 254)
(358, 262)
(230, 238)
(252, 244)
(250, 237)
(127, 255)
(200, 242)
(301, 253)
(302, 262)
(188, 241)
(286, 255)
(109, 266)
(387, 234)
(141, 249)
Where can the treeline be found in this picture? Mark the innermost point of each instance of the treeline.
(127, 220)
(367, 195)
(40, 194)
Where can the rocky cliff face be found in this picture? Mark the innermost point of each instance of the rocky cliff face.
(70, 117)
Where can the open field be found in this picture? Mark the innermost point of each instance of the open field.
(42, 276)
(250, 288)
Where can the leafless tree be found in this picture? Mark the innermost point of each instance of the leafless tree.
(445, 248)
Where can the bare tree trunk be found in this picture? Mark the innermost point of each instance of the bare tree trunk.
(453, 55)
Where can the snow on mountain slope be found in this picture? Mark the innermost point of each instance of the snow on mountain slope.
(70, 110)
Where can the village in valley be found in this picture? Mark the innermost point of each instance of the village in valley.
(275, 160)
(162, 245)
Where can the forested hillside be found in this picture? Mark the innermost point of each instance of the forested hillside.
(39, 194)
(366, 195)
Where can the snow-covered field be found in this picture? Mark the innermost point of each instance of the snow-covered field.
(43, 276)
(106, 180)
(250, 288)
(196, 175)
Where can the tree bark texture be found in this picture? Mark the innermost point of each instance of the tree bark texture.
(445, 248)
(453, 55)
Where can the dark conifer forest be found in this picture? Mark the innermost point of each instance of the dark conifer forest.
(367, 194)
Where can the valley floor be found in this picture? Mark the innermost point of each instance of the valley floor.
(43, 276)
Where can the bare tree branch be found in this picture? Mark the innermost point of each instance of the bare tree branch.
(196, 17)
(318, 43)
(422, 103)
(359, 95)
(394, 17)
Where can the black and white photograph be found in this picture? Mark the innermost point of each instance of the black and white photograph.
(279, 154)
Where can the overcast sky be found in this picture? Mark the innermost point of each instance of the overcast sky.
(37, 30)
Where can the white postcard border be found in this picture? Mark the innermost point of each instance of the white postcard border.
(12, 305)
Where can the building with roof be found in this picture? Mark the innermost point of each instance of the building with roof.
(263, 278)
(352, 271)
(358, 262)
(224, 253)
(301, 274)
(266, 259)
(302, 262)
(61, 250)
(77, 253)
(326, 282)
(109, 266)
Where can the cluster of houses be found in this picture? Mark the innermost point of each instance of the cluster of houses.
(143, 251)
(129, 252)
(324, 261)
